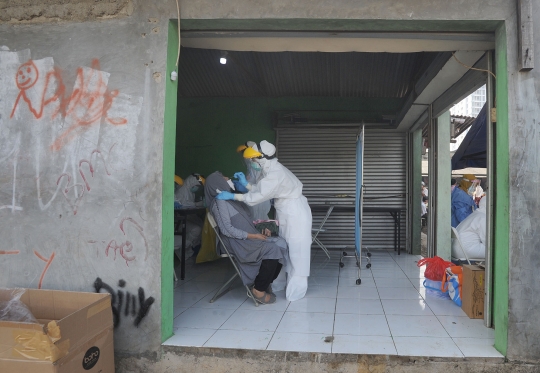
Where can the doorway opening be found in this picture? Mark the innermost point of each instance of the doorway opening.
(307, 103)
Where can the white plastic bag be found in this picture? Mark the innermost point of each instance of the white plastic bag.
(433, 289)
(15, 310)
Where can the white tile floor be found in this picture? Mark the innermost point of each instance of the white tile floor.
(389, 313)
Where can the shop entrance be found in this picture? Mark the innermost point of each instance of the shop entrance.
(275, 85)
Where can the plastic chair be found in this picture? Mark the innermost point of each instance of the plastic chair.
(320, 229)
(225, 286)
(455, 236)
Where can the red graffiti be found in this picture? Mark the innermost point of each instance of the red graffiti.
(89, 101)
(12, 252)
(127, 247)
(27, 77)
(139, 229)
(46, 260)
(75, 202)
(124, 248)
(91, 166)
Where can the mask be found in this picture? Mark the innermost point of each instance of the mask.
(256, 166)
(231, 184)
(472, 189)
(194, 189)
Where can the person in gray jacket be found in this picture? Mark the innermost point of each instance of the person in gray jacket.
(259, 256)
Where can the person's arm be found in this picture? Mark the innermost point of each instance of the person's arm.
(463, 209)
(221, 214)
(264, 190)
(220, 211)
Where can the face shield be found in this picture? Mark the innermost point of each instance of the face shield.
(473, 186)
(255, 164)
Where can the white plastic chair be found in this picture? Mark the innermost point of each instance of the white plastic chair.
(225, 286)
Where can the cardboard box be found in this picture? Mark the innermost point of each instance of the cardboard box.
(85, 342)
(472, 297)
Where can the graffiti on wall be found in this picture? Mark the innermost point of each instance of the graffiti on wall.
(69, 138)
(124, 304)
(48, 262)
(61, 127)
(11, 159)
(88, 103)
(135, 244)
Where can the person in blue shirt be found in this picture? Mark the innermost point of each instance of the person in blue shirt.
(462, 203)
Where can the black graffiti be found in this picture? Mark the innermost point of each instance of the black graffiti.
(130, 305)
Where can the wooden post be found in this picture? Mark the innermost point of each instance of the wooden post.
(525, 35)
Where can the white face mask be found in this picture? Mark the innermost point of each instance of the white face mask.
(231, 184)
(472, 188)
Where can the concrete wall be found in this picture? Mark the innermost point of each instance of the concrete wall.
(524, 117)
(81, 133)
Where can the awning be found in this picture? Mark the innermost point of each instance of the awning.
(472, 151)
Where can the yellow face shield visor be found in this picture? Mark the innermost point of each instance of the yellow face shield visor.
(250, 153)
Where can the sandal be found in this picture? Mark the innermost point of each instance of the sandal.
(270, 291)
(261, 299)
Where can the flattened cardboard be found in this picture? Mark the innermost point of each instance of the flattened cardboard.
(472, 298)
(86, 326)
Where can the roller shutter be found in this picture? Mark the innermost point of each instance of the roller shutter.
(323, 158)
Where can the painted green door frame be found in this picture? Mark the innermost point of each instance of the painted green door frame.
(167, 219)
(501, 205)
(501, 182)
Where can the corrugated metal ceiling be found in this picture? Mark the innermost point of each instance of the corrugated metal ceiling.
(282, 74)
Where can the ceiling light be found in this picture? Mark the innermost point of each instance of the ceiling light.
(223, 58)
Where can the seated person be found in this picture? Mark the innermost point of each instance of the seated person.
(462, 203)
(472, 234)
(184, 196)
(260, 257)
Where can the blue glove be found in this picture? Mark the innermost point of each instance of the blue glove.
(177, 205)
(241, 178)
(225, 196)
(239, 187)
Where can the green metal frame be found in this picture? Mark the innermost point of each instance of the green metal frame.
(501, 206)
(167, 220)
(501, 182)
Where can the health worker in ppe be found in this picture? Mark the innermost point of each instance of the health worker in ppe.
(462, 202)
(184, 197)
(472, 234)
(260, 210)
(293, 213)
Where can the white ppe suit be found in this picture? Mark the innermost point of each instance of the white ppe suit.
(186, 198)
(294, 216)
(259, 211)
(472, 234)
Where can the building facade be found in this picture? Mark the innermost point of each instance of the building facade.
(87, 111)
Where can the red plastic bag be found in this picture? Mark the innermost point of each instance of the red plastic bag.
(436, 267)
